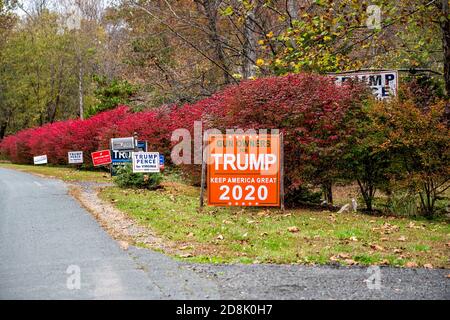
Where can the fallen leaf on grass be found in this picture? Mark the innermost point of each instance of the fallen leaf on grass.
(343, 256)
(264, 234)
(187, 255)
(397, 251)
(294, 230)
(428, 266)
(190, 235)
(411, 264)
(412, 225)
(262, 213)
(387, 228)
(376, 247)
(220, 237)
(227, 222)
(350, 262)
(354, 239)
(402, 239)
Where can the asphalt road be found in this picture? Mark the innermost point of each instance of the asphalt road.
(49, 244)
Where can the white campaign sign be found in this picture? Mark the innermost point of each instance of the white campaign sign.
(76, 157)
(40, 160)
(146, 162)
(384, 84)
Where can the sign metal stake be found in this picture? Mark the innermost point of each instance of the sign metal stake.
(202, 193)
(282, 171)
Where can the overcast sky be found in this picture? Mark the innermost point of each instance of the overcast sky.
(58, 5)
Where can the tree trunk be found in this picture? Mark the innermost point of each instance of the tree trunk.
(249, 48)
(328, 191)
(445, 27)
(80, 88)
(292, 10)
(211, 8)
(3, 127)
(367, 191)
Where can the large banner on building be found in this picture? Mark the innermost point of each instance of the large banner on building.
(384, 84)
(244, 170)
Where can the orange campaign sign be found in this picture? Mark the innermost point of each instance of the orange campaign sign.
(244, 170)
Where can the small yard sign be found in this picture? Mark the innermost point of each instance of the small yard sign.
(101, 158)
(383, 83)
(76, 157)
(40, 160)
(162, 161)
(123, 143)
(244, 170)
(146, 162)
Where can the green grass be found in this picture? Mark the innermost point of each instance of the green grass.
(67, 174)
(262, 236)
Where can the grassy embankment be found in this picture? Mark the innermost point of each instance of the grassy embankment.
(67, 174)
(223, 235)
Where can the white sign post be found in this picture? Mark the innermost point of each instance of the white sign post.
(40, 160)
(146, 162)
(383, 83)
(76, 157)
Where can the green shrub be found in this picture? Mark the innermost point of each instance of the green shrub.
(303, 195)
(126, 178)
(403, 203)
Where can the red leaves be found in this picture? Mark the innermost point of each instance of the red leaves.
(309, 109)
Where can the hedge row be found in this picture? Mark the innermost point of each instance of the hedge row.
(312, 112)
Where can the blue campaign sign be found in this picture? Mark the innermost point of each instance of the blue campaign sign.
(162, 161)
(123, 157)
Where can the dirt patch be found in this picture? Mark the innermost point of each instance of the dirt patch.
(118, 225)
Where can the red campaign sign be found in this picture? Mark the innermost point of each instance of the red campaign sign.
(101, 158)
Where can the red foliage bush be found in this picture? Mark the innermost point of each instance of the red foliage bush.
(313, 113)
(311, 110)
(57, 139)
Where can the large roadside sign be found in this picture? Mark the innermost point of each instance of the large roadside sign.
(75, 157)
(146, 162)
(244, 170)
(39, 160)
(384, 84)
(101, 158)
